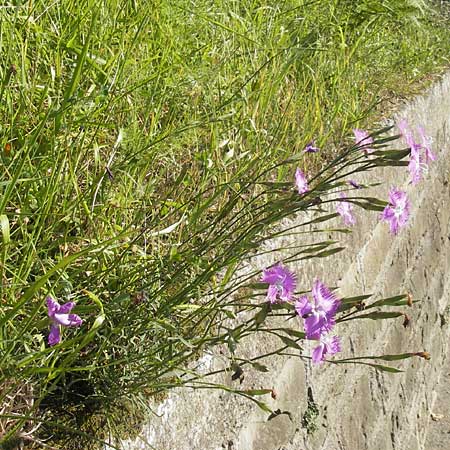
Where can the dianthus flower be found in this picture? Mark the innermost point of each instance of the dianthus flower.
(301, 182)
(59, 315)
(319, 314)
(363, 139)
(311, 147)
(281, 281)
(426, 145)
(397, 212)
(415, 166)
(406, 133)
(328, 345)
(418, 162)
(344, 208)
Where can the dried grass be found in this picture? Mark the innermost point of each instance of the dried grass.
(17, 400)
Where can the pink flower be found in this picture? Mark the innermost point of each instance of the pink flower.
(415, 166)
(282, 283)
(328, 345)
(426, 145)
(319, 314)
(311, 147)
(301, 182)
(59, 315)
(406, 133)
(397, 212)
(418, 162)
(344, 208)
(363, 139)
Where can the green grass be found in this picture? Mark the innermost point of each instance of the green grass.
(121, 119)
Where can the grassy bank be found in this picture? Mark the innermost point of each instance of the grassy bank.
(134, 135)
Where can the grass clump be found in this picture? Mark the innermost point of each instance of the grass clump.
(136, 137)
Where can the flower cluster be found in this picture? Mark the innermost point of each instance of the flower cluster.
(318, 315)
(397, 211)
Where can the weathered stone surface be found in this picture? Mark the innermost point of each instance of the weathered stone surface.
(357, 407)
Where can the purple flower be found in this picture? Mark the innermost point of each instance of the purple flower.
(301, 182)
(363, 139)
(418, 163)
(415, 166)
(303, 306)
(344, 208)
(408, 136)
(281, 281)
(328, 345)
(354, 184)
(59, 315)
(311, 148)
(406, 133)
(397, 212)
(319, 314)
(426, 145)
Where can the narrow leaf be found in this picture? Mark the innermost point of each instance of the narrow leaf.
(290, 343)
(4, 225)
(385, 368)
(263, 406)
(326, 253)
(295, 333)
(259, 367)
(254, 392)
(379, 315)
(324, 218)
(390, 301)
(260, 317)
(356, 299)
(392, 154)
